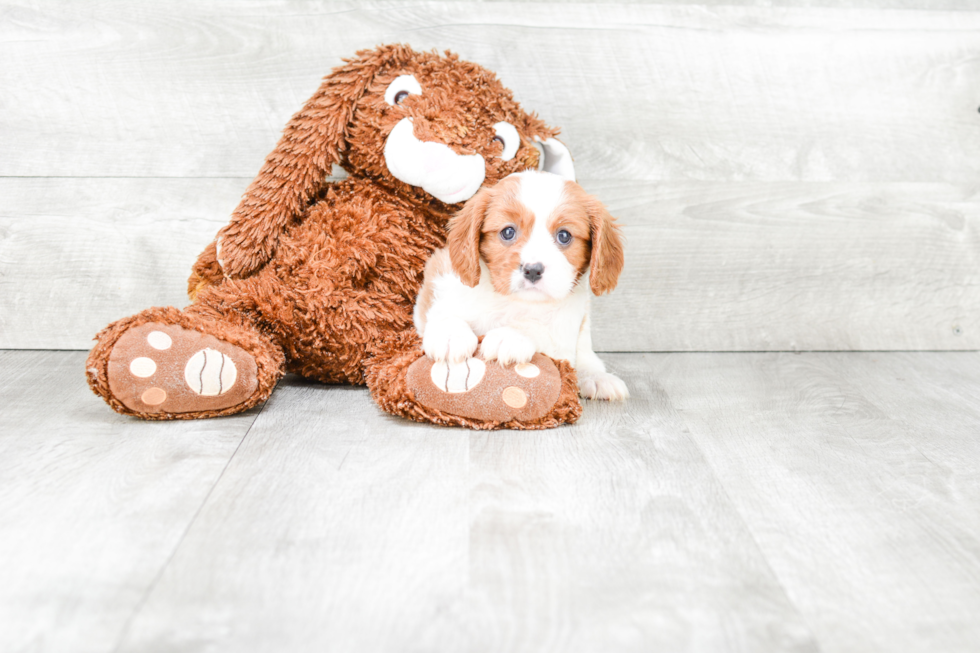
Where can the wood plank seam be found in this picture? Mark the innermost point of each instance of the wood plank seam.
(163, 567)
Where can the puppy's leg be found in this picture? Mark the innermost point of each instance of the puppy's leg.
(506, 346)
(449, 339)
(594, 382)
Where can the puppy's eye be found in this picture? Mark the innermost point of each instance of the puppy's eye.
(401, 88)
(564, 237)
(506, 135)
(508, 234)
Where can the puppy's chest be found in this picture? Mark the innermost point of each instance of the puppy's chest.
(554, 328)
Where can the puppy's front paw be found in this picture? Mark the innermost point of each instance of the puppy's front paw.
(506, 346)
(449, 340)
(603, 386)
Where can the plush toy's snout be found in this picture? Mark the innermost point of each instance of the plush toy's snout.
(450, 153)
(433, 167)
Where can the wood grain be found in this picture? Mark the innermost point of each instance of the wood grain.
(338, 528)
(663, 92)
(614, 535)
(821, 266)
(856, 473)
(710, 266)
(739, 502)
(76, 254)
(92, 504)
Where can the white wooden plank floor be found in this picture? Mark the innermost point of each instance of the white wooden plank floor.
(740, 502)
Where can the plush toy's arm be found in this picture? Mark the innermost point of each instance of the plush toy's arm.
(311, 144)
(291, 176)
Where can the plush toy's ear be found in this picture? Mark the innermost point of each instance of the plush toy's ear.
(606, 261)
(310, 147)
(555, 158)
(463, 240)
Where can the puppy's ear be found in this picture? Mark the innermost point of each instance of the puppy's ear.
(312, 142)
(463, 241)
(606, 261)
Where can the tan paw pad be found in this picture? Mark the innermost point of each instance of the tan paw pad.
(514, 397)
(158, 367)
(153, 396)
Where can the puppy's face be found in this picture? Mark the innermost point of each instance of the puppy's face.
(538, 234)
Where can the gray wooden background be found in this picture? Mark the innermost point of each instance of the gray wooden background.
(798, 176)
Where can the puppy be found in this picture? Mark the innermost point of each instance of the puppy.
(520, 264)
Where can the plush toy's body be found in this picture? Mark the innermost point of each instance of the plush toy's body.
(320, 278)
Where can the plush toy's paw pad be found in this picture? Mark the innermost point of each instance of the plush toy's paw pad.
(486, 390)
(166, 368)
(603, 386)
(458, 377)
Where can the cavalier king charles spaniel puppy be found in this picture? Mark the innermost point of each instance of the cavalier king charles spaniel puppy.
(521, 262)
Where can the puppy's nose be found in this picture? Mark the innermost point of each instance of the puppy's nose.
(533, 271)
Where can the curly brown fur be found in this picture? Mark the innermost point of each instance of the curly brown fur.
(320, 279)
(347, 121)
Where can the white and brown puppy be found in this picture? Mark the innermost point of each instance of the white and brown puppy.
(520, 265)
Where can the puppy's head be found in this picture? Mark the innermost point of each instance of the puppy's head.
(538, 233)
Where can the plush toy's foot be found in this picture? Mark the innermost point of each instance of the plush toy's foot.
(487, 391)
(474, 393)
(176, 369)
(165, 368)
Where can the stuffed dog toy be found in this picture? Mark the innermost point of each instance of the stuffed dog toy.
(521, 263)
(319, 278)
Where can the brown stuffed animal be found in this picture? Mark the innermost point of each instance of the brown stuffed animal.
(319, 278)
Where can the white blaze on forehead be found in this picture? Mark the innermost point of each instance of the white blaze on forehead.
(433, 167)
(542, 193)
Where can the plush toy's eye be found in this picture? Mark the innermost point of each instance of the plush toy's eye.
(508, 234)
(401, 88)
(564, 237)
(507, 136)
